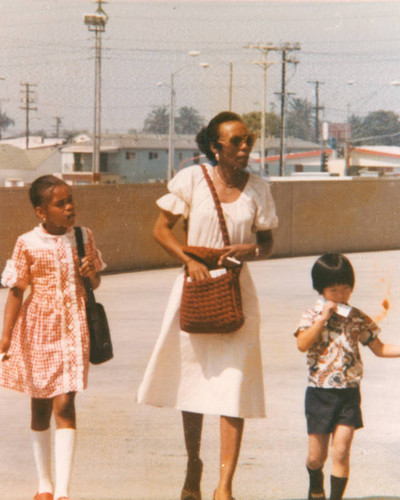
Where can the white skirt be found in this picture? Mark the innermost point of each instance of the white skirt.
(218, 374)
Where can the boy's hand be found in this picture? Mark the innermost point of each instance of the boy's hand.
(329, 308)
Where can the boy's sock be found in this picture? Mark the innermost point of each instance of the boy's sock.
(338, 485)
(64, 454)
(41, 443)
(316, 489)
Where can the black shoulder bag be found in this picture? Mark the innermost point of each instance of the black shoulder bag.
(101, 349)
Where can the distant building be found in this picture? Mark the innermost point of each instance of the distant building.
(299, 156)
(131, 158)
(19, 166)
(341, 132)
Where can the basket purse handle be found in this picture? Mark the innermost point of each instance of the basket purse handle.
(217, 202)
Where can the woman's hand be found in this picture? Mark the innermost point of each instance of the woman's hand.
(240, 251)
(196, 270)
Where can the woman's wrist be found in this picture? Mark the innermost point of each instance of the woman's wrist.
(186, 260)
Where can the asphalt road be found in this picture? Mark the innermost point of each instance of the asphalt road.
(127, 451)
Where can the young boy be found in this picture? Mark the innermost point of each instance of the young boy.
(330, 333)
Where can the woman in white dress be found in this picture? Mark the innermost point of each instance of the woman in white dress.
(218, 374)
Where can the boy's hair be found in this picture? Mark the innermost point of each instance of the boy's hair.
(41, 185)
(332, 269)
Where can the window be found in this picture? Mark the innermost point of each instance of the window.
(130, 155)
(153, 155)
(196, 157)
(180, 156)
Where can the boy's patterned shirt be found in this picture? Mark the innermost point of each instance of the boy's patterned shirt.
(334, 361)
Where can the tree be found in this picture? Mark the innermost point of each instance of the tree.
(188, 121)
(252, 121)
(5, 122)
(300, 119)
(383, 127)
(157, 121)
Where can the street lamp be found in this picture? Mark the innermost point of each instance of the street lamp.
(264, 64)
(171, 135)
(347, 152)
(97, 23)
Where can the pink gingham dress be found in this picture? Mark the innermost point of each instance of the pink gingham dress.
(49, 352)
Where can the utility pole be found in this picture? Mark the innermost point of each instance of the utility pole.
(58, 124)
(28, 100)
(97, 23)
(264, 48)
(284, 50)
(317, 107)
(230, 85)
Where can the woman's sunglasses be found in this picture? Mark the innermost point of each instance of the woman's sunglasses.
(238, 140)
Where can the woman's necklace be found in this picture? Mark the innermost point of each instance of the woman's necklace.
(229, 186)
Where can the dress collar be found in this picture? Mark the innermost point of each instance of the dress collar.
(40, 231)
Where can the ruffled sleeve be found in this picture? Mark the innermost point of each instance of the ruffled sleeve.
(266, 217)
(93, 252)
(17, 271)
(180, 188)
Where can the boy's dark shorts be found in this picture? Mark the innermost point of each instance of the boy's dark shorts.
(326, 408)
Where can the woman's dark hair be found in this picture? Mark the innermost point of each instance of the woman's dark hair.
(209, 135)
(41, 185)
(332, 269)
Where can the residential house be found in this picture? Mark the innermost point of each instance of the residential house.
(130, 158)
(20, 166)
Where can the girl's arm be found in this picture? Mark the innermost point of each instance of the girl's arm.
(163, 233)
(307, 338)
(384, 350)
(11, 311)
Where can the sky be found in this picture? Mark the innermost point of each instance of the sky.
(351, 48)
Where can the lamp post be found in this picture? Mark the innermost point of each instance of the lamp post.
(97, 23)
(347, 153)
(264, 64)
(171, 134)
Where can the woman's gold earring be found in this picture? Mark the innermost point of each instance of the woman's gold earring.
(217, 156)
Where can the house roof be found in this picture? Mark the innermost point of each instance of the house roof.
(35, 142)
(114, 143)
(383, 151)
(13, 158)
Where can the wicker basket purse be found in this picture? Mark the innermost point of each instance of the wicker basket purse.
(212, 305)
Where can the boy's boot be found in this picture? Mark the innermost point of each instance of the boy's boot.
(338, 485)
(316, 490)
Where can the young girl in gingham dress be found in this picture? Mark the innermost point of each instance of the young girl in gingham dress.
(45, 340)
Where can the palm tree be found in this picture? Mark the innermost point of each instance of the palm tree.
(299, 120)
(5, 122)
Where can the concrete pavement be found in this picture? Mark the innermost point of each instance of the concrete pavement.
(127, 451)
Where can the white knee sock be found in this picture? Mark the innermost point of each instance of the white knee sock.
(41, 442)
(64, 454)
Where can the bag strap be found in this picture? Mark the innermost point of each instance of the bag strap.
(221, 218)
(81, 253)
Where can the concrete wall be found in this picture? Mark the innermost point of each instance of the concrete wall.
(315, 217)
